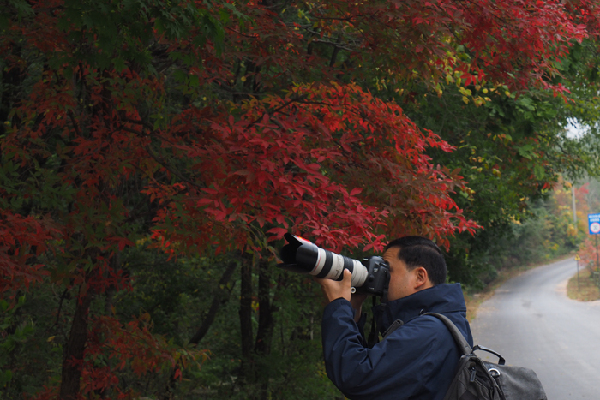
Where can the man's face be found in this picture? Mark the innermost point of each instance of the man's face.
(402, 282)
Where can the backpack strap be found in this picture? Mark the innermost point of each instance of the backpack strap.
(458, 337)
(395, 325)
(501, 360)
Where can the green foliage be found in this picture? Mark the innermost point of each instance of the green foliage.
(118, 34)
(32, 338)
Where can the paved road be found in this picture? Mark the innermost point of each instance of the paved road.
(532, 323)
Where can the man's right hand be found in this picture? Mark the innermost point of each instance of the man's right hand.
(336, 289)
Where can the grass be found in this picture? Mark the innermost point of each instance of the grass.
(584, 288)
(474, 300)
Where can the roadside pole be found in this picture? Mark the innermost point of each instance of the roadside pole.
(577, 259)
(594, 226)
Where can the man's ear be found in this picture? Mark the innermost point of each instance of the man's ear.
(421, 278)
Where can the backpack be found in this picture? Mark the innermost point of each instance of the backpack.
(476, 379)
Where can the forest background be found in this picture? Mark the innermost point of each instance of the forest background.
(155, 152)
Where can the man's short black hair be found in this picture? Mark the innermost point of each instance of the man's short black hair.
(418, 251)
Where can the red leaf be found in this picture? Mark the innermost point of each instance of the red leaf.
(277, 232)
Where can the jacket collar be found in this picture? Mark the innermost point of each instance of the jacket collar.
(444, 298)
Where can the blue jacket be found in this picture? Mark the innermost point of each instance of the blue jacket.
(416, 361)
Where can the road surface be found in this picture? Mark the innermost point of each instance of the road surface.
(532, 323)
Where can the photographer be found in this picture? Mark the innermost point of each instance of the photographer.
(418, 359)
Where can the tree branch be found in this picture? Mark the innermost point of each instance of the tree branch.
(220, 295)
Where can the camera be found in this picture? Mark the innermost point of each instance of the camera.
(300, 255)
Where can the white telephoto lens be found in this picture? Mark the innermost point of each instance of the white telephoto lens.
(337, 267)
(359, 273)
(321, 258)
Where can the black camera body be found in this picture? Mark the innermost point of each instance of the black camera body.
(300, 255)
(378, 277)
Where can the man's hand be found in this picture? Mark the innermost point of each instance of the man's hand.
(336, 289)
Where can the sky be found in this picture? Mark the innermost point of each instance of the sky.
(574, 129)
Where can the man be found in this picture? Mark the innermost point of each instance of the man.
(416, 360)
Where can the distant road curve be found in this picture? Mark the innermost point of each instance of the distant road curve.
(532, 323)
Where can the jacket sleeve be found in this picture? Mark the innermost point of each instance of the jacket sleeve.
(410, 361)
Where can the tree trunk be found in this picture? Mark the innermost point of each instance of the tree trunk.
(264, 334)
(245, 313)
(74, 350)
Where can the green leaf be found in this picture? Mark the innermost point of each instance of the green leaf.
(4, 21)
(526, 151)
(194, 81)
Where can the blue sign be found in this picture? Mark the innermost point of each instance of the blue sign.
(594, 222)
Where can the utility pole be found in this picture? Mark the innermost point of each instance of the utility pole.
(574, 213)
